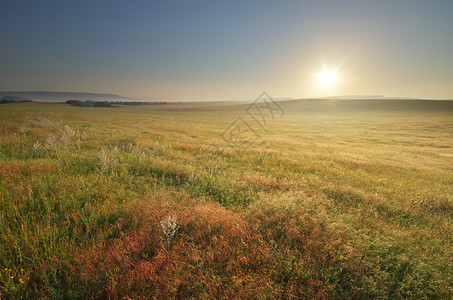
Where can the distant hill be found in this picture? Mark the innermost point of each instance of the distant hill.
(370, 97)
(63, 96)
(364, 97)
(366, 105)
(13, 99)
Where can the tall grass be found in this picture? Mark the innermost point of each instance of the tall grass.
(321, 209)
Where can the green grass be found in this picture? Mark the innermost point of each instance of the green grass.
(336, 199)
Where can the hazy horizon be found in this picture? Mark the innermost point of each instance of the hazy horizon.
(201, 51)
(61, 96)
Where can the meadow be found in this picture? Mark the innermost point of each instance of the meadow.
(332, 199)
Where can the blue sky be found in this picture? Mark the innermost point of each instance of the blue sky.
(211, 50)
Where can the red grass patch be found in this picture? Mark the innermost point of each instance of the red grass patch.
(217, 253)
(13, 172)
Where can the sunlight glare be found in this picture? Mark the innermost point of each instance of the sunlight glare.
(327, 78)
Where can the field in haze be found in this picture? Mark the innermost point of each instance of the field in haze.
(332, 199)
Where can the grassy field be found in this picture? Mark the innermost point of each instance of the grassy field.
(333, 199)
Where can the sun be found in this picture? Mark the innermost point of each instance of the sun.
(327, 78)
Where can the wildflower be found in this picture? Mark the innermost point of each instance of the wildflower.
(169, 227)
(22, 270)
(21, 281)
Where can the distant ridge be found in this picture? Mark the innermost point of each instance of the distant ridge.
(13, 99)
(365, 97)
(375, 105)
(63, 96)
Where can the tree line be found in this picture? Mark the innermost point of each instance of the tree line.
(89, 103)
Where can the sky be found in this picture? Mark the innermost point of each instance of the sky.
(228, 50)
